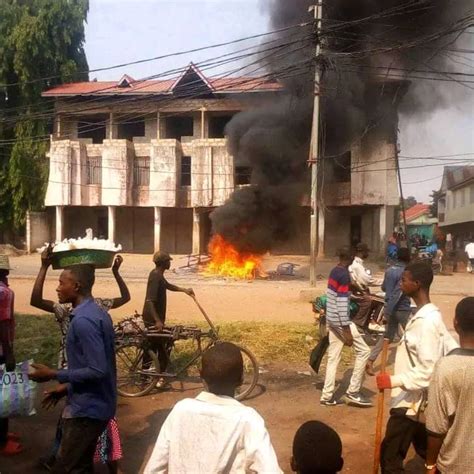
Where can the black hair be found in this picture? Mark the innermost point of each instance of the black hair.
(4, 273)
(84, 275)
(403, 254)
(422, 272)
(465, 314)
(222, 367)
(345, 255)
(317, 449)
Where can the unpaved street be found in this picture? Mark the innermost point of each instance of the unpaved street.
(285, 399)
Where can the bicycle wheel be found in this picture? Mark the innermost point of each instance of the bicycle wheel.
(131, 381)
(250, 374)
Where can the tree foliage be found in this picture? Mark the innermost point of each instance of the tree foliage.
(38, 39)
(435, 197)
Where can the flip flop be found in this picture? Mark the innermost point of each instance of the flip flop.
(11, 448)
(13, 436)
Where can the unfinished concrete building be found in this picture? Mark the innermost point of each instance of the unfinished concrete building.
(145, 162)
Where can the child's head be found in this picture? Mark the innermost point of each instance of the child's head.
(222, 368)
(317, 449)
(403, 255)
(417, 277)
(345, 257)
(75, 281)
(464, 317)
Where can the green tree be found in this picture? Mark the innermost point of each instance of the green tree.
(435, 196)
(41, 45)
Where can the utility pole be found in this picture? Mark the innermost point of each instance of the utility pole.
(314, 152)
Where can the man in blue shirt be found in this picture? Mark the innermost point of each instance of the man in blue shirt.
(397, 305)
(90, 379)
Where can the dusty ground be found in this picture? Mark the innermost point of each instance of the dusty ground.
(285, 398)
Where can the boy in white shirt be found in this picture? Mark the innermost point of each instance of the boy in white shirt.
(424, 342)
(214, 433)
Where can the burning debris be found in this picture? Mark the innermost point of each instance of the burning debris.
(369, 49)
(227, 261)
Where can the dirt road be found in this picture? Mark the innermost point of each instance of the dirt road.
(285, 399)
(273, 300)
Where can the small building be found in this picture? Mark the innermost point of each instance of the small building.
(456, 205)
(145, 162)
(420, 223)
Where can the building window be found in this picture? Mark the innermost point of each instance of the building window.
(217, 125)
(179, 126)
(129, 127)
(94, 170)
(186, 171)
(92, 128)
(342, 168)
(242, 175)
(141, 171)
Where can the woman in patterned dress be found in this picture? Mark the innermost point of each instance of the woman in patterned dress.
(109, 449)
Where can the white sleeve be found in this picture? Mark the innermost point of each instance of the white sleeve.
(261, 457)
(159, 459)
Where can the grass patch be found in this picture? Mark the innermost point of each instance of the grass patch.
(37, 337)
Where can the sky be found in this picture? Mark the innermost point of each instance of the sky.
(121, 31)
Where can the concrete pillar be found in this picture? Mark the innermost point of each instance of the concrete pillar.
(157, 229)
(111, 126)
(59, 223)
(158, 126)
(382, 229)
(203, 122)
(321, 227)
(196, 231)
(111, 223)
(58, 126)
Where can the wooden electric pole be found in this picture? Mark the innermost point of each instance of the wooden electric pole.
(314, 152)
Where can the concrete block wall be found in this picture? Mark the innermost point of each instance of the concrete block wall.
(164, 159)
(38, 230)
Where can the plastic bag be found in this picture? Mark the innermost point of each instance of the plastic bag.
(17, 392)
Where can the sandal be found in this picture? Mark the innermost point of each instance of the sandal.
(13, 436)
(11, 448)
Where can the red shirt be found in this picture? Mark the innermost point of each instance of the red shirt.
(6, 302)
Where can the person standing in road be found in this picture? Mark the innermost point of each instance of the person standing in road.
(90, 380)
(154, 309)
(397, 305)
(9, 444)
(342, 331)
(450, 410)
(425, 341)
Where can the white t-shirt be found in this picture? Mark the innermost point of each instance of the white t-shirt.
(470, 250)
(213, 434)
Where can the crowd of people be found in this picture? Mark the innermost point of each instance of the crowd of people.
(432, 386)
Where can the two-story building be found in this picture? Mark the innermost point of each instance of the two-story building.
(145, 162)
(456, 205)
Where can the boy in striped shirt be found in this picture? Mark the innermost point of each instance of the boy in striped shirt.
(342, 331)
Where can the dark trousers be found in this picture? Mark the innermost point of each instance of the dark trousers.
(364, 301)
(78, 442)
(401, 432)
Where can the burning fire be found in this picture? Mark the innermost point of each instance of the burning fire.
(227, 261)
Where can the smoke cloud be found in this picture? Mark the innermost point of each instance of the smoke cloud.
(367, 66)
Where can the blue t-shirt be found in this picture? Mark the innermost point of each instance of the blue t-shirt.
(91, 372)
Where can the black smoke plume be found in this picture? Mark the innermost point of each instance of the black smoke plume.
(372, 51)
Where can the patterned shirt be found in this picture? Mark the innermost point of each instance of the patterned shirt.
(450, 411)
(62, 313)
(6, 302)
(337, 306)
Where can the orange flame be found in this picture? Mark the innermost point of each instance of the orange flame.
(227, 261)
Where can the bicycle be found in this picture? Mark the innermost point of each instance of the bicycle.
(138, 368)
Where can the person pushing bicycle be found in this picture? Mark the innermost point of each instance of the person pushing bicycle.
(154, 309)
